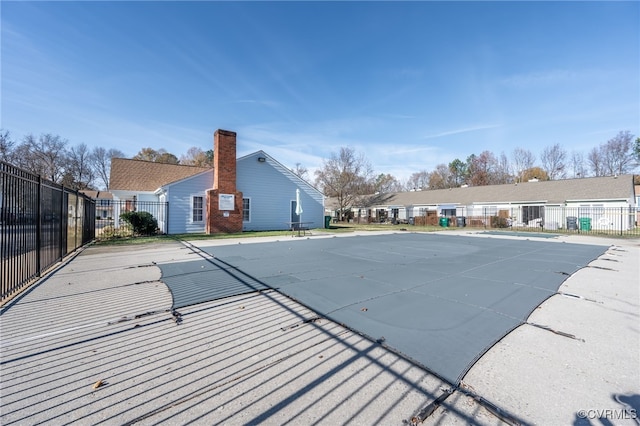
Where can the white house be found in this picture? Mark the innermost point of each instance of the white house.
(603, 203)
(267, 188)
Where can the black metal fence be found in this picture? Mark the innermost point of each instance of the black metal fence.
(40, 223)
(109, 223)
(586, 219)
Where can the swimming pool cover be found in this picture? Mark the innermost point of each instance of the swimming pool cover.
(440, 300)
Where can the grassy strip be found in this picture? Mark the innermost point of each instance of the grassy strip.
(334, 229)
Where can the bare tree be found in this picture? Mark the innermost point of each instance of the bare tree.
(441, 177)
(617, 154)
(503, 170)
(197, 157)
(521, 160)
(483, 169)
(6, 146)
(347, 176)
(385, 183)
(79, 174)
(577, 164)
(301, 171)
(45, 156)
(418, 180)
(101, 159)
(553, 161)
(596, 162)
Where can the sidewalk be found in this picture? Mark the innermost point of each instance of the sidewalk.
(261, 358)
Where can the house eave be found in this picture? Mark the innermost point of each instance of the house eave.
(591, 200)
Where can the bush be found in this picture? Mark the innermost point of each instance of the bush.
(143, 223)
(499, 222)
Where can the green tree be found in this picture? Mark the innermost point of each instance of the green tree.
(459, 172)
(159, 156)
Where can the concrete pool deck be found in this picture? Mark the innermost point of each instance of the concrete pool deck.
(262, 358)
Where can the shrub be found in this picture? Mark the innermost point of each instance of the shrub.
(143, 223)
(499, 222)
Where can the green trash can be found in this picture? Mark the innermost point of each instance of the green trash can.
(444, 222)
(327, 222)
(585, 224)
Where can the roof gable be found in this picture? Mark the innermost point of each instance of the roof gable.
(138, 175)
(309, 188)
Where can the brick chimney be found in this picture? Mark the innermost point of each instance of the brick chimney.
(224, 202)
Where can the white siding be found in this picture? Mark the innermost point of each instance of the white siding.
(603, 215)
(271, 188)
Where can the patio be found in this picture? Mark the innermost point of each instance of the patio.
(260, 357)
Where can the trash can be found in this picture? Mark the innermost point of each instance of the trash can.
(327, 222)
(444, 222)
(572, 223)
(585, 223)
(461, 221)
(411, 221)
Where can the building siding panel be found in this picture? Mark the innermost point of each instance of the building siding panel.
(179, 195)
(271, 188)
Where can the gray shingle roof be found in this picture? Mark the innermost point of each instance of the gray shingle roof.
(550, 192)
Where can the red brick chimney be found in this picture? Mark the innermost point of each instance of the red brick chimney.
(224, 202)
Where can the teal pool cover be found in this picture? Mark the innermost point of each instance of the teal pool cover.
(439, 300)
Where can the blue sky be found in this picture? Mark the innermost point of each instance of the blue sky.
(408, 84)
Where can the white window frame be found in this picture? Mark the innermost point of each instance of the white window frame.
(248, 200)
(193, 208)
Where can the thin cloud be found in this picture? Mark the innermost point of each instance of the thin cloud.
(539, 78)
(270, 104)
(463, 130)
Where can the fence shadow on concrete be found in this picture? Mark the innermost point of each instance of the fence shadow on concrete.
(119, 355)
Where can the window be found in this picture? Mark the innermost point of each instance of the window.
(197, 212)
(246, 210)
(530, 213)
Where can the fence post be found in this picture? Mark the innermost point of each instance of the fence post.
(75, 236)
(622, 218)
(39, 226)
(62, 223)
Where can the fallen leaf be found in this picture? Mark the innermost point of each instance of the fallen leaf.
(97, 384)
